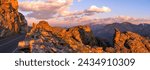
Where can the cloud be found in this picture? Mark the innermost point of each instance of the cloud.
(98, 10)
(73, 20)
(57, 13)
(46, 9)
(120, 19)
(87, 12)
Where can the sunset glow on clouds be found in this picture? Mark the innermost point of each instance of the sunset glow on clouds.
(59, 12)
(45, 9)
(54, 8)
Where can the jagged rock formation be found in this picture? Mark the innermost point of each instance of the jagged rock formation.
(129, 42)
(11, 21)
(45, 38)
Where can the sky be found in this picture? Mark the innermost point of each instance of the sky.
(83, 10)
(135, 8)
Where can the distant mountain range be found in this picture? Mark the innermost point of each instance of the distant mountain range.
(107, 31)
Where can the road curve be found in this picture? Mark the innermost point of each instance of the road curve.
(9, 44)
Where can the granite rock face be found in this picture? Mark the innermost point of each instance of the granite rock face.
(11, 21)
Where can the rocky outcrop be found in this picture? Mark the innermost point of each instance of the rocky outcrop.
(11, 21)
(129, 42)
(56, 39)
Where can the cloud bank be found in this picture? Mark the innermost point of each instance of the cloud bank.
(57, 12)
(44, 9)
(51, 9)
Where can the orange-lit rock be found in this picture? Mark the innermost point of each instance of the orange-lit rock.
(56, 39)
(130, 42)
(11, 20)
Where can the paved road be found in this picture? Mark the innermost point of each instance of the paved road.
(9, 45)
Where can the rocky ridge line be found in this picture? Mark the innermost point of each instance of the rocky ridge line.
(45, 38)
